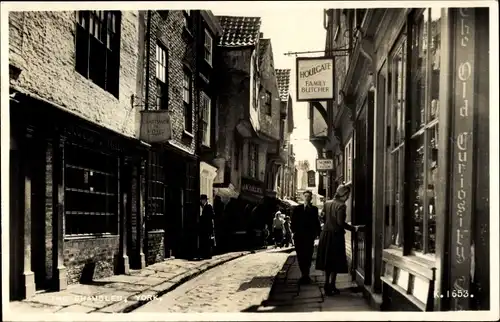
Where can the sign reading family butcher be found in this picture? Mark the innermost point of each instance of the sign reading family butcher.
(315, 77)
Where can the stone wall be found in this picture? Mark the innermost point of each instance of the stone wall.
(42, 45)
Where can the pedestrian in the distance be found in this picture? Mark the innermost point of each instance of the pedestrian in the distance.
(265, 235)
(207, 241)
(331, 257)
(278, 229)
(288, 232)
(305, 227)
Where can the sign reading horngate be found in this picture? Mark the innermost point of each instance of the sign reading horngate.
(315, 79)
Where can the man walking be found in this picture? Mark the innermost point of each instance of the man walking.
(305, 227)
(206, 228)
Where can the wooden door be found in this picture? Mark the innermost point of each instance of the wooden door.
(363, 178)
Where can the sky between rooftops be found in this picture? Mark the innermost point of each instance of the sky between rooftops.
(290, 29)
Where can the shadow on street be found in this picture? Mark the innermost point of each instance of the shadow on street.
(286, 295)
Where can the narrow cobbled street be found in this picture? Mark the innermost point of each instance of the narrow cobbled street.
(232, 287)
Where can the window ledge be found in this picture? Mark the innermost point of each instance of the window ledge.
(424, 267)
(156, 231)
(89, 236)
(187, 134)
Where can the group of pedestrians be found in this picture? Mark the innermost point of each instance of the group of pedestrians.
(282, 233)
(301, 230)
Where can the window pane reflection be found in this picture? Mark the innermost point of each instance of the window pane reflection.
(417, 190)
(432, 167)
(435, 57)
(419, 71)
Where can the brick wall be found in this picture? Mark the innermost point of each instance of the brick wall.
(80, 253)
(42, 44)
(168, 29)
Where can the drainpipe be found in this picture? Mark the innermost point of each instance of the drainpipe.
(199, 133)
(148, 158)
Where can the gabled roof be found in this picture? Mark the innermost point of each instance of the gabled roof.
(283, 79)
(239, 31)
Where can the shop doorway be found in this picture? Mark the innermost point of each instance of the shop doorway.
(16, 223)
(363, 180)
(41, 218)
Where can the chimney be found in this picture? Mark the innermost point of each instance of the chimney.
(261, 35)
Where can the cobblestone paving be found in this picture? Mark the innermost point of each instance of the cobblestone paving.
(118, 293)
(231, 287)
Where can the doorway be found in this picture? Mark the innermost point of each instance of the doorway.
(16, 223)
(41, 216)
(363, 194)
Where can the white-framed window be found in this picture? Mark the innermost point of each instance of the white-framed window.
(205, 104)
(208, 47)
(188, 107)
(348, 162)
(161, 77)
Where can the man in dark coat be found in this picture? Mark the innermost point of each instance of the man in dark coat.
(206, 228)
(305, 227)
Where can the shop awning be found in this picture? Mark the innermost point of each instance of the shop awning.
(290, 203)
(250, 197)
(226, 193)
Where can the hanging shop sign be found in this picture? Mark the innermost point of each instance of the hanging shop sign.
(315, 79)
(311, 178)
(462, 159)
(324, 164)
(155, 126)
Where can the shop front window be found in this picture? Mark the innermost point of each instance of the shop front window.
(424, 107)
(397, 92)
(414, 174)
(156, 209)
(91, 192)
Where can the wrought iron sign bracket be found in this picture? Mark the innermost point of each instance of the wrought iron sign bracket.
(339, 52)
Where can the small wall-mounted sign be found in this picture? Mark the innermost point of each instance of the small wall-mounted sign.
(324, 164)
(155, 126)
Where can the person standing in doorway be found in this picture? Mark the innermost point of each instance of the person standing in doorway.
(206, 228)
(331, 257)
(305, 226)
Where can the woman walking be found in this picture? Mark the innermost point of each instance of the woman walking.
(331, 257)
